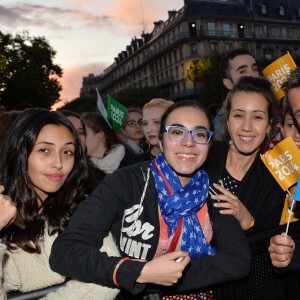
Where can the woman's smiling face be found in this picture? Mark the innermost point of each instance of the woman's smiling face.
(248, 122)
(185, 157)
(51, 159)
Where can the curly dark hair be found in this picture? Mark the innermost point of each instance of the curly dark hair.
(58, 207)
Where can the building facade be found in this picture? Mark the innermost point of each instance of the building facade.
(162, 58)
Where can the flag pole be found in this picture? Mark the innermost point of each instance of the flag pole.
(290, 212)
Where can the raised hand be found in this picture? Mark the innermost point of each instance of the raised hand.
(229, 204)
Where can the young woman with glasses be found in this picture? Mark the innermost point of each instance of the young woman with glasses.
(249, 191)
(132, 131)
(170, 238)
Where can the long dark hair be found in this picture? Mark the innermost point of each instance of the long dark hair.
(58, 207)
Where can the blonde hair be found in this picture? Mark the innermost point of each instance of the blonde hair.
(158, 102)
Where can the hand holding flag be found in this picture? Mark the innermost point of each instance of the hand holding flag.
(283, 161)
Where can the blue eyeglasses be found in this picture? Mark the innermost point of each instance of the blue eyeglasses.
(177, 134)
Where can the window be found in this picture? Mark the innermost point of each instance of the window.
(264, 9)
(175, 56)
(293, 32)
(286, 50)
(193, 49)
(180, 53)
(213, 48)
(283, 32)
(275, 31)
(226, 29)
(241, 30)
(228, 47)
(165, 61)
(265, 30)
(281, 10)
(269, 54)
(211, 28)
(193, 29)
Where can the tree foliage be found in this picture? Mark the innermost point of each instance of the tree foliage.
(82, 104)
(205, 73)
(137, 97)
(27, 72)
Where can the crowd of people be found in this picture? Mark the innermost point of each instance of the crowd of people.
(161, 210)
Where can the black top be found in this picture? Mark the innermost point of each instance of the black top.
(115, 205)
(258, 190)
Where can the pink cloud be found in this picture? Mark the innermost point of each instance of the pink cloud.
(72, 79)
(140, 15)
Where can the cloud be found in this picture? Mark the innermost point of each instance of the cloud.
(53, 18)
(139, 15)
(72, 78)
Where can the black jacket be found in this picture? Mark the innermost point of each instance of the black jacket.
(258, 190)
(113, 206)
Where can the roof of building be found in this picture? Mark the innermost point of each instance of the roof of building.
(273, 9)
(205, 9)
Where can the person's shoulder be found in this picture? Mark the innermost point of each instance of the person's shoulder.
(130, 170)
(146, 156)
(130, 158)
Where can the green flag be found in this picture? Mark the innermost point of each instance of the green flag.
(116, 113)
(101, 108)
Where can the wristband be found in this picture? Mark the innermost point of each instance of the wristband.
(116, 269)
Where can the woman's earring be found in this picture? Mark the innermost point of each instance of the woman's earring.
(230, 142)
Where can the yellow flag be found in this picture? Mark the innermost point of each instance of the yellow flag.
(283, 161)
(277, 73)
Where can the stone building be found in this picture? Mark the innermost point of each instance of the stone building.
(200, 28)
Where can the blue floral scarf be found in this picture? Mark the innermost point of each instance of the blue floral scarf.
(178, 202)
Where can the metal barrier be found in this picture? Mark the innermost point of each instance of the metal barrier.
(34, 294)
